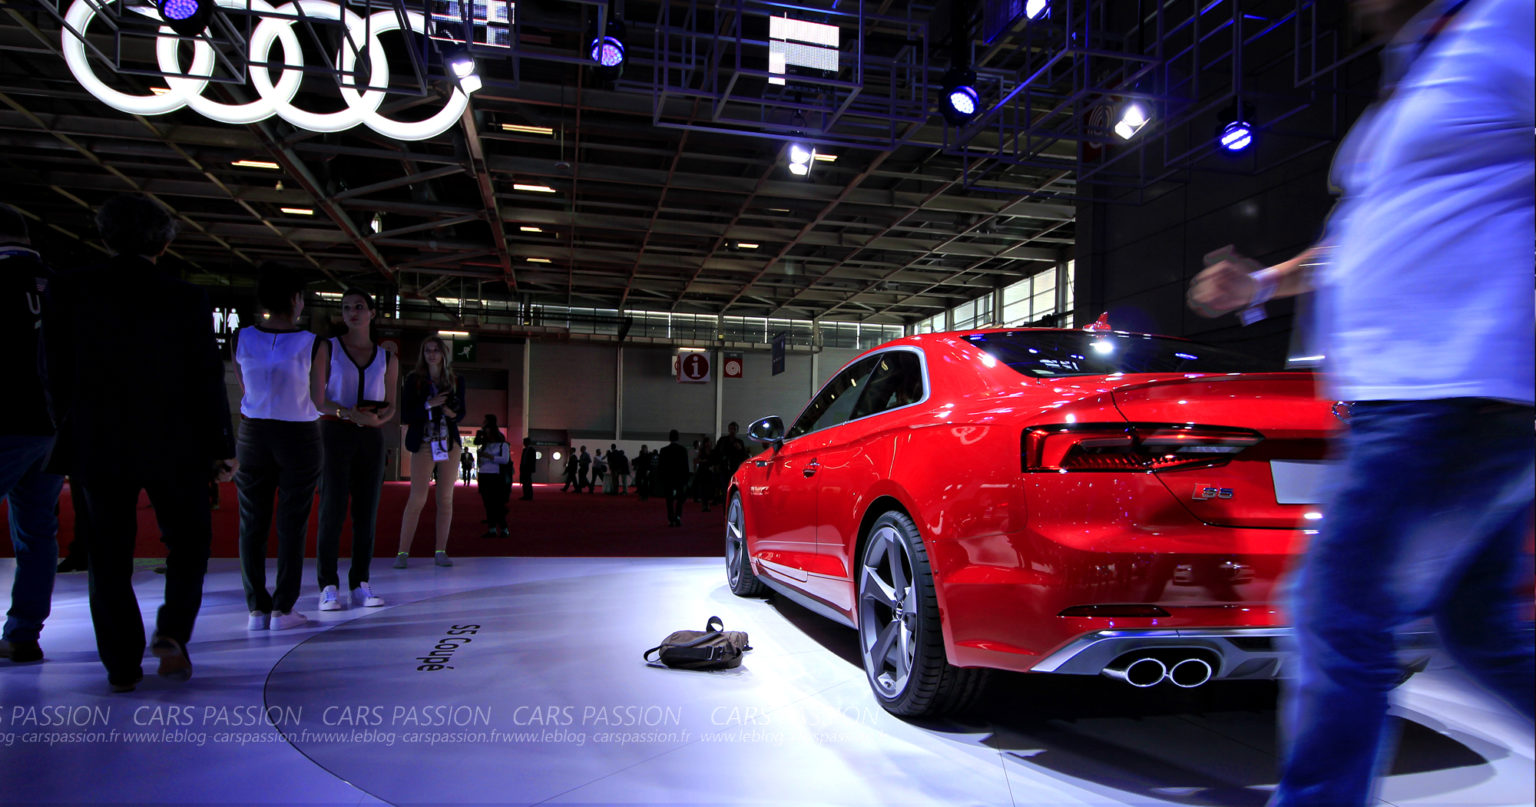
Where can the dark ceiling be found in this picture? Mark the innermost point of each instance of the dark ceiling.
(661, 178)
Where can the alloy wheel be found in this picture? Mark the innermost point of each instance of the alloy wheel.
(888, 614)
(735, 543)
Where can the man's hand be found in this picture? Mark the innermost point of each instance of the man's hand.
(224, 470)
(1225, 285)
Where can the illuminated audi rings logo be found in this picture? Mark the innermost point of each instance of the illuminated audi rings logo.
(275, 98)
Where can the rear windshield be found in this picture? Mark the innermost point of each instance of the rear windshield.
(1052, 354)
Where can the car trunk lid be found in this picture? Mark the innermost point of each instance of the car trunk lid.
(1276, 483)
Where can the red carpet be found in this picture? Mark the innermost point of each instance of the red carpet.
(552, 524)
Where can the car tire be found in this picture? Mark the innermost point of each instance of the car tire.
(901, 641)
(738, 564)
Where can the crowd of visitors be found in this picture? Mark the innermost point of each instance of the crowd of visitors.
(313, 412)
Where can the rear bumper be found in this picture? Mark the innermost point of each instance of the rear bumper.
(1240, 653)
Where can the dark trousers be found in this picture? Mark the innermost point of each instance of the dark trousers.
(493, 492)
(675, 496)
(33, 497)
(1440, 535)
(353, 470)
(281, 459)
(527, 480)
(181, 510)
(82, 532)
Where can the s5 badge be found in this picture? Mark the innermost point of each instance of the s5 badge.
(1204, 492)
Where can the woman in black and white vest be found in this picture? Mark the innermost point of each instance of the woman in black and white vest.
(431, 406)
(359, 399)
(279, 446)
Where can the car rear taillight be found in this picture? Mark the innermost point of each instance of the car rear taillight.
(1131, 446)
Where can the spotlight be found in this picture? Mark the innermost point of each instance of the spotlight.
(1035, 9)
(1234, 132)
(606, 49)
(1132, 118)
(186, 17)
(1236, 136)
(800, 157)
(960, 101)
(462, 66)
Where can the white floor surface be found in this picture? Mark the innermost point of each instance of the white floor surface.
(548, 702)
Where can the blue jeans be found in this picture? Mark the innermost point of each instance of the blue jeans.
(32, 495)
(1427, 515)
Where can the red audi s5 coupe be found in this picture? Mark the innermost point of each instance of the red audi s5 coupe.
(1080, 502)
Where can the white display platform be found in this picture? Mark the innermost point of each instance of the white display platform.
(548, 702)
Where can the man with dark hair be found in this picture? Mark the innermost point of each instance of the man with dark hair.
(525, 466)
(672, 476)
(732, 451)
(26, 440)
(140, 383)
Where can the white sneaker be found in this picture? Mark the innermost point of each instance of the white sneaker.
(284, 620)
(258, 620)
(328, 599)
(363, 595)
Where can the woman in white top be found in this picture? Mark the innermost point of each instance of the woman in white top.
(360, 380)
(279, 446)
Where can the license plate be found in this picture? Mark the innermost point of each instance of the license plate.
(1298, 481)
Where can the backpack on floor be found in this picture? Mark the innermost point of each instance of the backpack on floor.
(713, 648)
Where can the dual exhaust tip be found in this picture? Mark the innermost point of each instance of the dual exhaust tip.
(1147, 671)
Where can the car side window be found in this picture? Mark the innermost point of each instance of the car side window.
(897, 380)
(835, 402)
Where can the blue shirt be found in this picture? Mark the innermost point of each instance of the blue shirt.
(1430, 291)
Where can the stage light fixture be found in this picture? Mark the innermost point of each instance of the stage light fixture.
(186, 17)
(960, 102)
(1236, 136)
(1035, 9)
(461, 65)
(800, 158)
(606, 49)
(1132, 118)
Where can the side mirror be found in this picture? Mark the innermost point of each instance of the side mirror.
(768, 430)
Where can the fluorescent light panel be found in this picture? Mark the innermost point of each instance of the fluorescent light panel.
(518, 127)
(464, 334)
(270, 166)
(531, 229)
(825, 158)
(518, 186)
(297, 211)
(538, 260)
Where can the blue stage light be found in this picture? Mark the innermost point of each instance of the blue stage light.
(960, 102)
(606, 50)
(1236, 136)
(186, 17)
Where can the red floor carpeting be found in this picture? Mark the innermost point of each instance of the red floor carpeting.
(552, 524)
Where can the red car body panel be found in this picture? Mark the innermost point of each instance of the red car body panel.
(1009, 548)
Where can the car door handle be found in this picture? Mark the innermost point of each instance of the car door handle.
(811, 469)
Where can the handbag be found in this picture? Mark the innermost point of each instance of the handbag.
(713, 648)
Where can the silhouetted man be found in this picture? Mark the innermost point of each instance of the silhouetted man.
(27, 436)
(525, 467)
(672, 476)
(140, 381)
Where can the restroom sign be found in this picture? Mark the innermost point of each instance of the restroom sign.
(692, 366)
